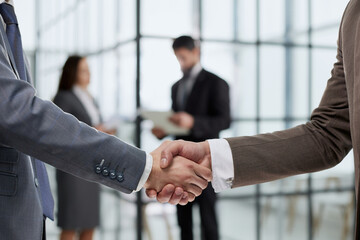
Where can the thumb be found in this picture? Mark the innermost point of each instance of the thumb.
(165, 161)
(168, 153)
(166, 158)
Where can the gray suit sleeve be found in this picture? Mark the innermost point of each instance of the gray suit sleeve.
(40, 129)
(319, 144)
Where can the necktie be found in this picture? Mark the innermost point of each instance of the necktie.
(184, 91)
(14, 37)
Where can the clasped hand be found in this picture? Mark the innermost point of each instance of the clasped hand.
(181, 170)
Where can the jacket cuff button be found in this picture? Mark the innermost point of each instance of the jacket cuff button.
(105, 171)
(98, 169)
(120, 177)
(112, 174)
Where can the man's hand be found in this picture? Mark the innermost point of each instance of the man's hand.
(197, 152)
(183, 119)
(158, 132)
(179, 175)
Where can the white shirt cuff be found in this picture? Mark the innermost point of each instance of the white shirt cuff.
(222, 164)
(146, 173)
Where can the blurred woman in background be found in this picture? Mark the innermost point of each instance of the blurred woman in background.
(78, 200)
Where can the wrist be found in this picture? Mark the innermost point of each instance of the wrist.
(153, 173)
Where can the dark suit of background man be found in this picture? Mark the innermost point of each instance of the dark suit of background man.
(201, 102)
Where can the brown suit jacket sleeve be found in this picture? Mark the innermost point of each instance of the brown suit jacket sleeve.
(319, 144)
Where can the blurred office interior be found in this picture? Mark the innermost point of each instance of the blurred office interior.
(276, 56)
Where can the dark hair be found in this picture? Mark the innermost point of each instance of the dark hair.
(184, 42)
(68, 75)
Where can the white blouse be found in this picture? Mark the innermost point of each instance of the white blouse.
(88, 102)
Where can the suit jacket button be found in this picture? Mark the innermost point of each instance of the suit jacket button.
(105, 171)
(112, 174)
(120, 177)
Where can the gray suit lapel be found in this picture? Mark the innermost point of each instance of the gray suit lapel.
(8, 48)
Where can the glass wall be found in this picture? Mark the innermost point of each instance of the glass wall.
(276, 56)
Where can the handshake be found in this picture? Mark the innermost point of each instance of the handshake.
(180, 171)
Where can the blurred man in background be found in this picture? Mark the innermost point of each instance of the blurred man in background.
(200, 101)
